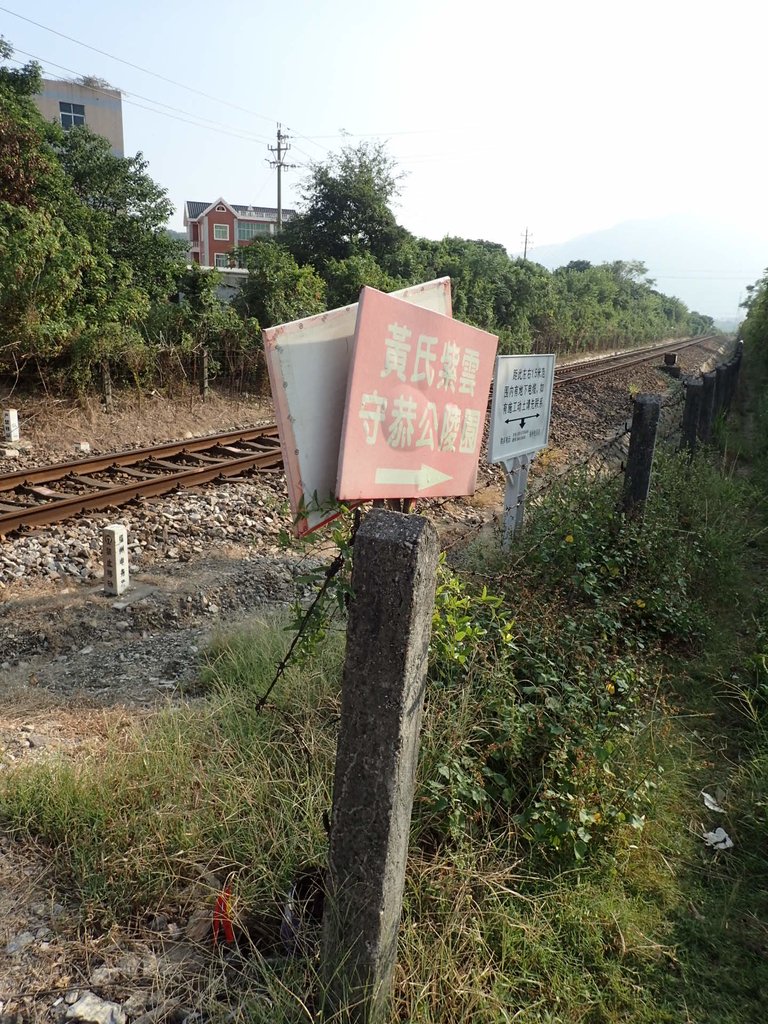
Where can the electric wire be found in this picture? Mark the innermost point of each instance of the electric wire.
(138, 67)
(199, 120)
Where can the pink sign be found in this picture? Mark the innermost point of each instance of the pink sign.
(416, 402)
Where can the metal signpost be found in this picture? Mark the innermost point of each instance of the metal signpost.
(308, 362)
(520, 413)
(416, 402)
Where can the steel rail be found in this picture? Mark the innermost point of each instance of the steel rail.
(98, 463)
(103, 495)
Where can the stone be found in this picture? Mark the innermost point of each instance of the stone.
(19, 942)
(93, 1010)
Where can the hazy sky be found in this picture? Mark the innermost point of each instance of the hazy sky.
(561, 116)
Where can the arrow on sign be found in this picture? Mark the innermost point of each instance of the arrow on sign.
(422, 479)
(522, 419)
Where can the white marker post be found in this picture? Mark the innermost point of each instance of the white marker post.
(520, 414)
(115, 555)
(11, 425)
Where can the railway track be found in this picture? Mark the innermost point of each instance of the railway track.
(571, 372)
(47, 494)
(44, 495)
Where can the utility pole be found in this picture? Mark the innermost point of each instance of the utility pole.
(280, 150)
(525, 244)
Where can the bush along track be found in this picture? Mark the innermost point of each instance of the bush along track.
(585, 691)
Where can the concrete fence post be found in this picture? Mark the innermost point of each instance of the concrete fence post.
(721, 389)
(642, 443)
(204, 375)
(106, 385)
(390, 619)
(691, 412)
(730, 382)
(707, 414)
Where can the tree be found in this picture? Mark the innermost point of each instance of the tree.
(345, 208)
(126, 210)
(277, 289)
(84, 251)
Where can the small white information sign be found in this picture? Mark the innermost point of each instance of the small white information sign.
(522, 403)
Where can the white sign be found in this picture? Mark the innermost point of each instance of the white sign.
(308, 362)
(522, 403)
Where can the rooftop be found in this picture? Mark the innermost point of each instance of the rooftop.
(194, 210)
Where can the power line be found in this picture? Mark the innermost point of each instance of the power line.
(198, 119)
(200, 92)
(138, 67)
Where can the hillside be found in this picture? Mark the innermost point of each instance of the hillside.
(704, 263)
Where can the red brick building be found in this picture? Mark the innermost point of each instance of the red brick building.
(215, 229)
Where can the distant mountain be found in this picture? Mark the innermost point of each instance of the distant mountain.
(707, 265)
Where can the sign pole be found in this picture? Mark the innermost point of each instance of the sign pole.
(514, 496)
(511, 495)
(525, 465)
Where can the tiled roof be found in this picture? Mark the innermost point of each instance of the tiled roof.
(255, 212)
(195, 209)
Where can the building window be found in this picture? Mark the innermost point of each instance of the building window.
(221, 259)
(221, 232)
(221, 209)
(71, 114)
(247, 230)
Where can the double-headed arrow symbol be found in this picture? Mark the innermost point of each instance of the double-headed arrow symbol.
(522, 419)
(422, 479)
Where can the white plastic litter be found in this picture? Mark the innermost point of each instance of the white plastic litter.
(711, 804)
(718, 840)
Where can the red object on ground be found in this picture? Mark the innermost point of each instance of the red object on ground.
(222, 920)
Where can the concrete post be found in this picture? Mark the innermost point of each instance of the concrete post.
(114, 541)
(11, 425)
(721, 389)
(204, 375)
(385, 668)
(106, 385)
(691, 412)
(707, 415)
(642, 443)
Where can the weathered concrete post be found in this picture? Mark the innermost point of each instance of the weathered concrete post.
(721, 388)
(707, 413)
(642, 443)
(106, 384)
(385, 668)
(691, 412)
(204, 375)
